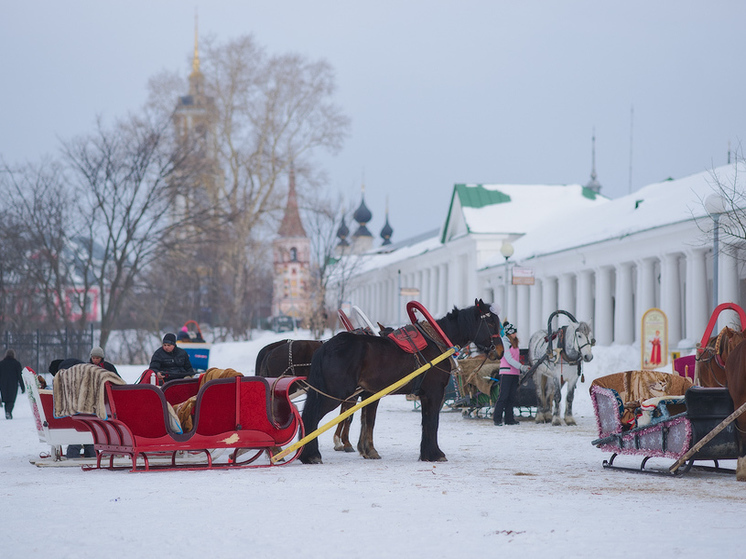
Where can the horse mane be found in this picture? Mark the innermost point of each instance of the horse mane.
(463, 319)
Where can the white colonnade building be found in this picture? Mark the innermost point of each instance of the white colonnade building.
(605, 261)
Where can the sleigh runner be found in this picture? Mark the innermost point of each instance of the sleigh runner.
(659, 415)
(245, 416)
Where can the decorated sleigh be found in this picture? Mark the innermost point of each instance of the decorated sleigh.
(244, 416)
(652, 414)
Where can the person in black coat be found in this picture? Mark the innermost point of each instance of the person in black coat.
(171, 362)
(10, 380)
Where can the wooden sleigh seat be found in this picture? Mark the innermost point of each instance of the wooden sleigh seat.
(675, 425)
(238, 414)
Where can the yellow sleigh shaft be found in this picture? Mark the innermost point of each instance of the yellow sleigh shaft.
(377, 396)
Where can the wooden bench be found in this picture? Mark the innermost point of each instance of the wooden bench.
(240, 414)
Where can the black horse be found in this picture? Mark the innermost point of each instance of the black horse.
(349, 361)
(286, 357)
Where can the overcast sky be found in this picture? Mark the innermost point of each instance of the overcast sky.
(438, 92)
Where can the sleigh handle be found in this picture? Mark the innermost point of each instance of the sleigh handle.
(713, 321)
(413, 306)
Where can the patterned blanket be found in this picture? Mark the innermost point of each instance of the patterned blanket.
(81, 389)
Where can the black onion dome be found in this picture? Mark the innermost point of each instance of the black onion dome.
(386, 232)
(343, 230)
(362, 215)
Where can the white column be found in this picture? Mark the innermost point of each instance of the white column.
(671, 296)
(603, 327)
(584, 296)
(624, 312)
(523, 314)
(512, 312)
(566, 295)
(645, 285)
(548, 298)
(535, 304)
(444, 289)
(728, 291)
(697, 295)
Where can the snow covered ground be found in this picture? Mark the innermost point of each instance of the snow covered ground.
(527, 490)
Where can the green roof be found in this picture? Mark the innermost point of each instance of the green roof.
(479, 197)
(588, 193)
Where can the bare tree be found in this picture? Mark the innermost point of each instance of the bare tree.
(124, 174)
(41, 274)
(729, 200)
(272, 110)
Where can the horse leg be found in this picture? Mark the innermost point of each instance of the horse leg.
(569, 419)
(342, 434)
(315, 408)
(542, 409)
(430, 402)
(367, 422)
(557, 397)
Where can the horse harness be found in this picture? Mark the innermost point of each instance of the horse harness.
(559, 354)
(713, 354)
(291, 366)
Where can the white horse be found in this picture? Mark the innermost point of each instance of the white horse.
(556, 358)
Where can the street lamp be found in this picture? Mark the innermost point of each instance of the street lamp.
(507, 251)
(715, 206)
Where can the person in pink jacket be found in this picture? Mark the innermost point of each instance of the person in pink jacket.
(510, 370)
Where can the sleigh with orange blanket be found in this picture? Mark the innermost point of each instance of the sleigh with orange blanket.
(244, 416)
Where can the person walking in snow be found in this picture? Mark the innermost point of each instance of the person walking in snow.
(10, 380)
(510, 370)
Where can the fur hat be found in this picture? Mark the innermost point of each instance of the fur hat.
(169, 338)
(97, 352)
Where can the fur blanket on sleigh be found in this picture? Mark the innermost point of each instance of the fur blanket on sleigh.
(82, 389)
(185, 410)
(477, 375)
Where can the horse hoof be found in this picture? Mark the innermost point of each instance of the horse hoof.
(312, 460)
(348, 448)
(741, 469)
(570, 421)
(556, 421)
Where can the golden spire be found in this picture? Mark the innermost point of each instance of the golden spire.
(195, 61)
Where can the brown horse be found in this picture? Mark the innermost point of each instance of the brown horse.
(722, 363)
(735, 369)
(710, 361)
(349, 362)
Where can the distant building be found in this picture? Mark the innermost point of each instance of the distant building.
(194, 123)
(291, 252)
(605, 261)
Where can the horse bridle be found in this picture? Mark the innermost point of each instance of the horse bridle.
(482, 319)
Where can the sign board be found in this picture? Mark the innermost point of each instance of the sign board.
(523, 276)
(409, 291)
(654, 336)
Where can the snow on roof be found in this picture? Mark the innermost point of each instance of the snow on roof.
(512, 208)
(655, 205)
